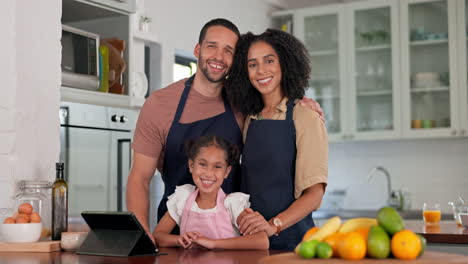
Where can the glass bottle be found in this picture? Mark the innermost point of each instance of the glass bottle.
(37, 194)
(59, 204)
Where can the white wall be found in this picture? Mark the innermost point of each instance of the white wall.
(431, 169)
(30, 74)
(178, 22)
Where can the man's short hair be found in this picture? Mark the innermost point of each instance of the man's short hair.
(218, 22)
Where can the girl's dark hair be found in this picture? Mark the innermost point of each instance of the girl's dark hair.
(295, 68)
(192, 147)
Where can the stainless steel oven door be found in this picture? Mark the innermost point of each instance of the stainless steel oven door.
(97, 159)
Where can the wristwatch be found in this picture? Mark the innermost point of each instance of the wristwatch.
(277, 222)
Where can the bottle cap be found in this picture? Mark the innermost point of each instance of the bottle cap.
(59, 166)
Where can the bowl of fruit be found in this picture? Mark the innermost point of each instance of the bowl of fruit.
(22, 227)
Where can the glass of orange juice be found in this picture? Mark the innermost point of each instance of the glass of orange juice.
(431, 213)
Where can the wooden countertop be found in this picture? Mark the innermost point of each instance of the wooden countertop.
(445, 232)
(175, 255)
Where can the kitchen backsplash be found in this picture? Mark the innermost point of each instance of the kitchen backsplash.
(430, 169)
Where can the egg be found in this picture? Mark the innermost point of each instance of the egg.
(35, 218)
(25, 208)
(9, 220)
(22, 218)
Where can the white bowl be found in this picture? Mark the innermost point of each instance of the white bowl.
(20, 233)
(71, 241)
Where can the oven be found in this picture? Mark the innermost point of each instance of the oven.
(96, 149)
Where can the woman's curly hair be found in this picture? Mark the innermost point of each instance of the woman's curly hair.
(294, 62)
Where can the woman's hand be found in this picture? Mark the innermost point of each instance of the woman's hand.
(251, 222)
(186, 240)
(206, 242)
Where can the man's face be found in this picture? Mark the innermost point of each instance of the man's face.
(215, 53)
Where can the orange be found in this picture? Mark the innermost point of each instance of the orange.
(406, 245)
(363, 231)
(352, 246)
(309, 233)
(332, 240)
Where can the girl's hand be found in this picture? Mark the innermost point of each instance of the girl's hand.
(185, 240)
(206, 242)
(251, 222)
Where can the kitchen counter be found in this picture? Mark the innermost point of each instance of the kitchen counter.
(175, 255)
(353, 213)
(445, 232)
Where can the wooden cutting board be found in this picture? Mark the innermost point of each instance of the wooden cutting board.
(41, 246)
(429, 257)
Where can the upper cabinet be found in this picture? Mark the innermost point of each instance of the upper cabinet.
(112, 19)
(386, 69)
(128, 6)
(322, 32)
(462, 33)
(354, 57)
(430, 86)
(373, 70)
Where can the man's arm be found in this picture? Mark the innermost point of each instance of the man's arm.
(138, 187)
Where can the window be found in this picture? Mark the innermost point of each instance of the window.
(184, 67)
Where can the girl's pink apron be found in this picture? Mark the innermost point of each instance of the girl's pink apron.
(214, 225)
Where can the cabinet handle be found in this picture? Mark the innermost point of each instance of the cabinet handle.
(462, 132)
(454, 132)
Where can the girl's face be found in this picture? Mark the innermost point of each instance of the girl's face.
(209, 169)
(264, 68)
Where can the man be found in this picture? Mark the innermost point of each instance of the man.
(184, 110)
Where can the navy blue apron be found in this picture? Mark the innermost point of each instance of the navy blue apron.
(175, 170)
(268, 171)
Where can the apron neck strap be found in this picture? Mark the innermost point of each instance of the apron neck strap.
(183, 98)
(290, 106)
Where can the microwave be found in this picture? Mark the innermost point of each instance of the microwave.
(80, 59)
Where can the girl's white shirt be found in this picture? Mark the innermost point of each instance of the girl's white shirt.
(235, 203)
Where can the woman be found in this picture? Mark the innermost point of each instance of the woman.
(285, 156)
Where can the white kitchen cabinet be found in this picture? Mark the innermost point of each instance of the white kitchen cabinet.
(322, 30)
(127, 6)
(430, 80)
(354, 56)
(98, 17)
(373, 70)
(462, 22)
(387, 69)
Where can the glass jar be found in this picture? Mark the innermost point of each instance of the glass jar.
(38, 194)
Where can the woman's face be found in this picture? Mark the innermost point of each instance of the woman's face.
(264, 68)
(209, 169)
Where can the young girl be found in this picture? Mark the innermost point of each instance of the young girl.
(205, 215)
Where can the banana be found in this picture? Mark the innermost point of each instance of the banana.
(356, 223)
(330, 227)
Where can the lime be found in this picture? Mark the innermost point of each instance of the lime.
(307, 249)
(423, 244)
(378, 243)
(324, 250)
(390, 220)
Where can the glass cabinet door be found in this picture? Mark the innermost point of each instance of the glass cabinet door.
(373, 56)
(463, 69)
(321, 37)
(430, 69)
